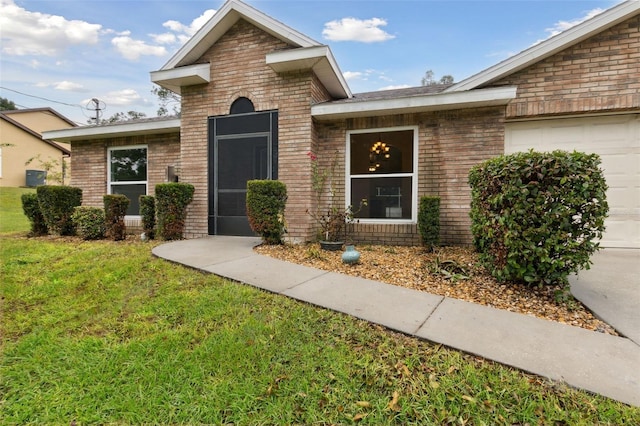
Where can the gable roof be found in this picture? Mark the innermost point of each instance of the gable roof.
(46, 110)
(224, 18)
(551, 46)
(306, 53)
(36, 135)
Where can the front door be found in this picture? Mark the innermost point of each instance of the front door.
(242, 147)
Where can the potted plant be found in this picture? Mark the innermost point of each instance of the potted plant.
(332, 219)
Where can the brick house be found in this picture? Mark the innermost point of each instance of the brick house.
(257, 96)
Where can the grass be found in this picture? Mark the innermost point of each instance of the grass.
(103, 332)
(12, 219)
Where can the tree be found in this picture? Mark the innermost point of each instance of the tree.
(119, 117)
(446, 79)
(6, 105)
(429, 79)
(165, 98)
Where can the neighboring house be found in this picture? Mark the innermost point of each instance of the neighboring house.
(21, 141)
(257, 96)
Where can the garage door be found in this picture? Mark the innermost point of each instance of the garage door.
(617, 140)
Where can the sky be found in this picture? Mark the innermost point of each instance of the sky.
(64, 53)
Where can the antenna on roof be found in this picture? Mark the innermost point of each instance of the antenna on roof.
(98, 106)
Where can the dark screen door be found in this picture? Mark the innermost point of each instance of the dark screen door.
(241, 148)
(240, 159)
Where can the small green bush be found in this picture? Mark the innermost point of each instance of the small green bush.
(31, 209)
(536, 217)
(115, 209)
(89, 222)
(172, 200)
(429, 221)
(148, 214)
(266, 200)
(56, 204)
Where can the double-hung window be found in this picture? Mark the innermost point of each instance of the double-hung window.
(381, 168)
(127, 174)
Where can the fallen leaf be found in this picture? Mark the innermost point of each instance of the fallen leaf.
(363, 404)
(433, 382)
(359, 417)
(469, 398)
(393, 404)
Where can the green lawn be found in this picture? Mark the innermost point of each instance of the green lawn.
(12, 219)
(102, 332)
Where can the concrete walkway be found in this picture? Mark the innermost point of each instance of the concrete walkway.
(597, 362)
(611, 289)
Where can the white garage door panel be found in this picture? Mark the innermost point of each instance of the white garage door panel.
(617, 140)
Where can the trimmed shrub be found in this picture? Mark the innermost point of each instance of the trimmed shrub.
(429, 221)
(266, 201)
(148, 214)
(115, 209)
(31, 209)
(89, 222)
(536, 217)
(172, 200)
(56, 204)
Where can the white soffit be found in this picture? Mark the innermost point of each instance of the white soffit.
(438, 102)
(114, 130)
(173, 79)
(224, 18)
(319, 59)
(538, 52)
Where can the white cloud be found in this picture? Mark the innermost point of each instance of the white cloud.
(69, 86)
(392, 87)
(132, 49)
(165, 38)
(561, 26)
(65, 86)
(353, 29)
(125, 97)
(352, 75)
(180, 32)
(35, 33)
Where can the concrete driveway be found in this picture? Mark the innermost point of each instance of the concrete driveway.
(611, 289)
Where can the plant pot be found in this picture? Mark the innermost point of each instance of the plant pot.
(331, 245)
(350, 255)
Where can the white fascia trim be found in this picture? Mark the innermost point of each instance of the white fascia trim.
(175, 78)
(438, 102)
(551, 46)
(222, 20)
(124, 129)
(318, 58)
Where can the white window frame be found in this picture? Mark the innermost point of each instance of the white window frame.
(137, 182)
(413, 175)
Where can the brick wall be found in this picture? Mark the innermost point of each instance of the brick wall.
(238, 68)
(89, 161)
(450, 143)
(600, 74)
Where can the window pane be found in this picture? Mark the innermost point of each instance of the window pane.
(382, 153)
(133, 192)
(387, 198)
(128, 165)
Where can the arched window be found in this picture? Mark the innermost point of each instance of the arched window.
(242, 106)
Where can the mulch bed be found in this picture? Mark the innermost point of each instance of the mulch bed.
(448, 271)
